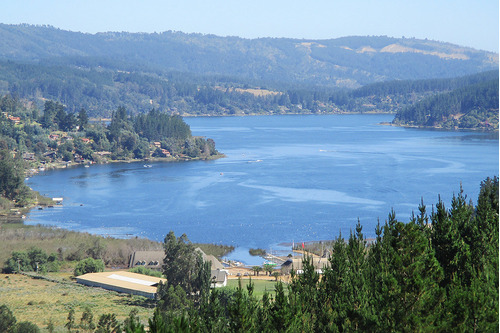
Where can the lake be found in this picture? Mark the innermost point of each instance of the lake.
(285, 179)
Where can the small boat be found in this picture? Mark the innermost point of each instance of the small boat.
(147, 165)
(87, 166)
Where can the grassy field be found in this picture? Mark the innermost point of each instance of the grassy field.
(39, 301)
(260, 286)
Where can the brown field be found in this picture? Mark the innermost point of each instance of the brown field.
(258, 92)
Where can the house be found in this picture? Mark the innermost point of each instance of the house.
(28, 156)
(86, 140)
(51, 154)
(123, 282)
(154, 260)
(157, 144)
(16, 120)
(218, 278)
(295, 264)
(149, 259)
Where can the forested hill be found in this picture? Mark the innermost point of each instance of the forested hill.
(473, 106)
(343, 62)
(194, 74)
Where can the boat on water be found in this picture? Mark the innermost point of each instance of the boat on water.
(147, 165)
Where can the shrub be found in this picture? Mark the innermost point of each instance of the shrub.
(145, 271)
(89, 265)
(28, 261)
(257, 252)
(26, 327)
(7, 319)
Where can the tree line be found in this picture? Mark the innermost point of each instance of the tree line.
(472, 106)
(125, 136)
(101, 91)
(436, 272)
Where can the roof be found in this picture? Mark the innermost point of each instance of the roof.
(215, 264)
(218, 276)
(147, 259)
(122, 281)
(317, 262)
(154, 259)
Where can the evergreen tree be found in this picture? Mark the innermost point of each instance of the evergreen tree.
(7, 318)
(184, 269)
(83, 120)
(12, 184)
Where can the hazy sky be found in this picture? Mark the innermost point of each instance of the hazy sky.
(471, 23)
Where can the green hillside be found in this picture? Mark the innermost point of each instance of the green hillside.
(474, 106)
(343, 62)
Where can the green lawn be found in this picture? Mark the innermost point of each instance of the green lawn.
(260, 286)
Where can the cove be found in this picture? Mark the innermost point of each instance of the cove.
(285, 179)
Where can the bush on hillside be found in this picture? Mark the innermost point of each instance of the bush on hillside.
(28, 261)
(89, 265)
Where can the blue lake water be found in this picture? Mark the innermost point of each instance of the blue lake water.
(285, 178)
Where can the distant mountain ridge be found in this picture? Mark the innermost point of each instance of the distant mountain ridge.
(347, 62)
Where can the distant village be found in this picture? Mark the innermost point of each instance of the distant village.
(146, 286)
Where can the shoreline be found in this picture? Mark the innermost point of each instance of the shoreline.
(440, 128)
(288, 114)
(65, 165)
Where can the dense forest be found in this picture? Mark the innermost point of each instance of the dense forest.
(101, 92)
(436, 272)
(195, 74)
(473, 106)
(347, 62)
(31, 139)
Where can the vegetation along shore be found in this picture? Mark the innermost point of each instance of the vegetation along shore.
(438, 271)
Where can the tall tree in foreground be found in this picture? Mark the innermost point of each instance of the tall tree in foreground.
(12, 184)
(188, 277)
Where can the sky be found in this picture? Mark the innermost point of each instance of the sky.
(472, 23)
